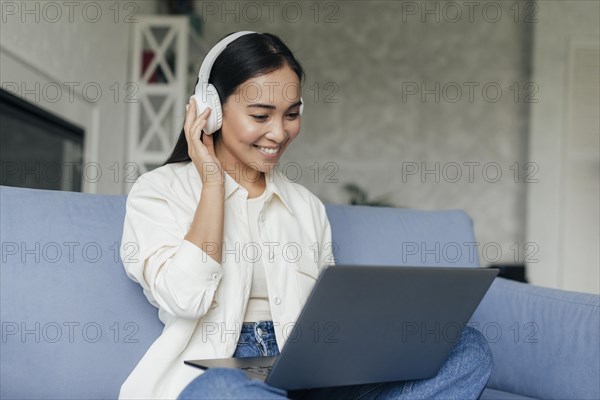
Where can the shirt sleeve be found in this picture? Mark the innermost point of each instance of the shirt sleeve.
(175, 274)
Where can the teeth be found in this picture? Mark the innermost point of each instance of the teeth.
(268, 151)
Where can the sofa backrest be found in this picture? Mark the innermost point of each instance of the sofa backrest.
(74, 325)
(396, 236)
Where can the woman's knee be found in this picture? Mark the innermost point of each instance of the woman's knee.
(476, 351)
(468, 367)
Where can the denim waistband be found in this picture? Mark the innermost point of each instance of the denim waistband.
(267, 326)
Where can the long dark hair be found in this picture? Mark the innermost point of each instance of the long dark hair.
(246, 57)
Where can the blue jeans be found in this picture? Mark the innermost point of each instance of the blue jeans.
(462, 376)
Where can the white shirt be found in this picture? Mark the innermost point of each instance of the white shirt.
(202, 302)
(258, 308)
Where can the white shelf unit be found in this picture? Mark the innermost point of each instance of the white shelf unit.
(163, 86)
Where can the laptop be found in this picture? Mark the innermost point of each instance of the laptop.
(370, 324)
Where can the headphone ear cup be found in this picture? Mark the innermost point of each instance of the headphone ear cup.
(210, 98)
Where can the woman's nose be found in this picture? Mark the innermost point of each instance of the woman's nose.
(278, 133)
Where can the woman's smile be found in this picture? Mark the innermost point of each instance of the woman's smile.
(269, 152)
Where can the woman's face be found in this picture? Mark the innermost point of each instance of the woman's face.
(260, 120)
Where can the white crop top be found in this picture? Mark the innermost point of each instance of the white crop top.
(258, 308)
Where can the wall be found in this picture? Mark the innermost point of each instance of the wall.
(562, 209)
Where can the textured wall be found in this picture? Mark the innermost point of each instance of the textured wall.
(373, 54)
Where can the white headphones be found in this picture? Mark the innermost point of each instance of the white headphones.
(205, 94)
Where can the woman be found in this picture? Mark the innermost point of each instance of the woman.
(228, 249)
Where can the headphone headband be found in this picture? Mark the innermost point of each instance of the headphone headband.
(212, 55)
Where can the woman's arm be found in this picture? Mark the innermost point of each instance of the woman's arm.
(206, 231)
(177, 275)
(178, 270)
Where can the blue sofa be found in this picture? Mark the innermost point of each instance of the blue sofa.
(74, 325)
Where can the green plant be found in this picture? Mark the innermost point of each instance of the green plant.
(359, 196)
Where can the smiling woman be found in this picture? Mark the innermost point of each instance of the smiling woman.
(193, 221)
(195, 218)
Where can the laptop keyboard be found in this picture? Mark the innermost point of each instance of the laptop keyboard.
(259, 370)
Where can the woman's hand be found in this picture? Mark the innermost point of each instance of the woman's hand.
(202, 151)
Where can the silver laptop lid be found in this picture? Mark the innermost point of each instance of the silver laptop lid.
(367, 324)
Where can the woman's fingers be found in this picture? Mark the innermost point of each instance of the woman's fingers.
(189, 117)
(208, 141)
(193, 125)
(201, 151)
(199, 124)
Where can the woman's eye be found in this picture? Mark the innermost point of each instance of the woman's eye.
(293, 115)
(260, 117)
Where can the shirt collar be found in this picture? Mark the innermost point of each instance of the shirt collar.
(275, 185)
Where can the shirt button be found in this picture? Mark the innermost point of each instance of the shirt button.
(262, 218)
(277, 300)
(215, 276)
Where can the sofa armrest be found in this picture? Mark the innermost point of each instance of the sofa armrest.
(545, 342)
